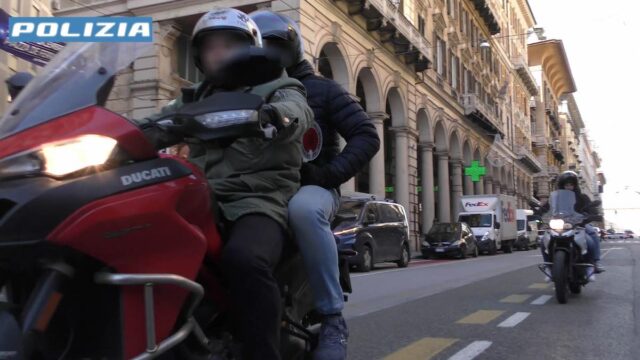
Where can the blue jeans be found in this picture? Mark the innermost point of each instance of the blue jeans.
(310, 213)
(593, 245)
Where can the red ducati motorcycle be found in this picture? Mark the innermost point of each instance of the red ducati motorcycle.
(109, 250)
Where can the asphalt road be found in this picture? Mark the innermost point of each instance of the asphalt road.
(495, 307)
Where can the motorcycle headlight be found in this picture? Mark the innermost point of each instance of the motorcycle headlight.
(60, 158)
(556, 224)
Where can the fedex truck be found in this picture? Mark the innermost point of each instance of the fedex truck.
(492, 218)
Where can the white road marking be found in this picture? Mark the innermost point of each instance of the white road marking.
(514, 319)
(471, 351)
(607, 251)
(541, 300)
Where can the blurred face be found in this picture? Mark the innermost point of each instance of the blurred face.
(219, 46)
(284, 47)
(569, 186)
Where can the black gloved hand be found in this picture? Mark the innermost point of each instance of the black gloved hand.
(269, 115)
(312, 175)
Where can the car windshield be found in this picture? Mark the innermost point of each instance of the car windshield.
(521, 224)
(562, 206)
(477, 220)
(444, 228)
(74, 79)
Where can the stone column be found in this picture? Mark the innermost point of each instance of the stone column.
(151, 77)
(488, 185)
(402, 166)
(478, 187)
(376, 166)
(497, 189)
(427, 195)
(444, 199)
(456, 186)
(469, 188)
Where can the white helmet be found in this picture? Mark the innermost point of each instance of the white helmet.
(224, 19)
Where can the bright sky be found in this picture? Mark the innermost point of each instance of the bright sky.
(601, 40)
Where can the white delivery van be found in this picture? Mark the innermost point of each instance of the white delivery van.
(524, 240)
(492, 218)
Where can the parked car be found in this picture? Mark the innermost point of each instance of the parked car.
(616, 236)
(629, 234)
(446, 239)
(377, 230)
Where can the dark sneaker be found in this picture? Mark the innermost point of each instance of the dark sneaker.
(332, 342)
(598, 267)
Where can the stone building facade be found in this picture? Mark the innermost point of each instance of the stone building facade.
(439, 78)
(10, 64)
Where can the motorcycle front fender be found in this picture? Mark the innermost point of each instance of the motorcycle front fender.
(10, 337)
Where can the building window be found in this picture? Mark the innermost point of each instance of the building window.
(421, 25)
(451, 8)
(440, 56)
(454, 71)
(186, 68)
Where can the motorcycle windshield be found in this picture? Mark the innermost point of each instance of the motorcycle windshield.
(562, 205)
(77, 77)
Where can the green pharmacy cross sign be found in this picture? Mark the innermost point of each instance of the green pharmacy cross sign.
(475, 171)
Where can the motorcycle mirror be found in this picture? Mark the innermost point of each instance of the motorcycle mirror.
(17, 82)
(250, 67)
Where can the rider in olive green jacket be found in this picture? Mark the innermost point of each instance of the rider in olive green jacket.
(253, 175)
(252, 179)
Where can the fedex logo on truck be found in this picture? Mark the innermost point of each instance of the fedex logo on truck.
(80, 29)
(476, 204)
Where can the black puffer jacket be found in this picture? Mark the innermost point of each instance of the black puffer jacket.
(337, 113)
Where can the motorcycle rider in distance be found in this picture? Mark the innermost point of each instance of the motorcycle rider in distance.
(568, 180)
(313, 207)
(252, 179)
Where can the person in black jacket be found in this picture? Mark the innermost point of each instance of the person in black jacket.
(317, 201)
(568, 180)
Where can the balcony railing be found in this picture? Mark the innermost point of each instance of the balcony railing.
(521, 66)
(481, 113)
(393, 27)
(529, 159)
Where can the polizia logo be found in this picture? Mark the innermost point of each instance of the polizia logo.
(80, 29)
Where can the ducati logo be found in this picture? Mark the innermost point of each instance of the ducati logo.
(145, 175)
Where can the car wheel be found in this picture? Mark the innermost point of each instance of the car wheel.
(475, 251)
(507, 249)
(367, 259)
(405, 257)
(463, 253)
